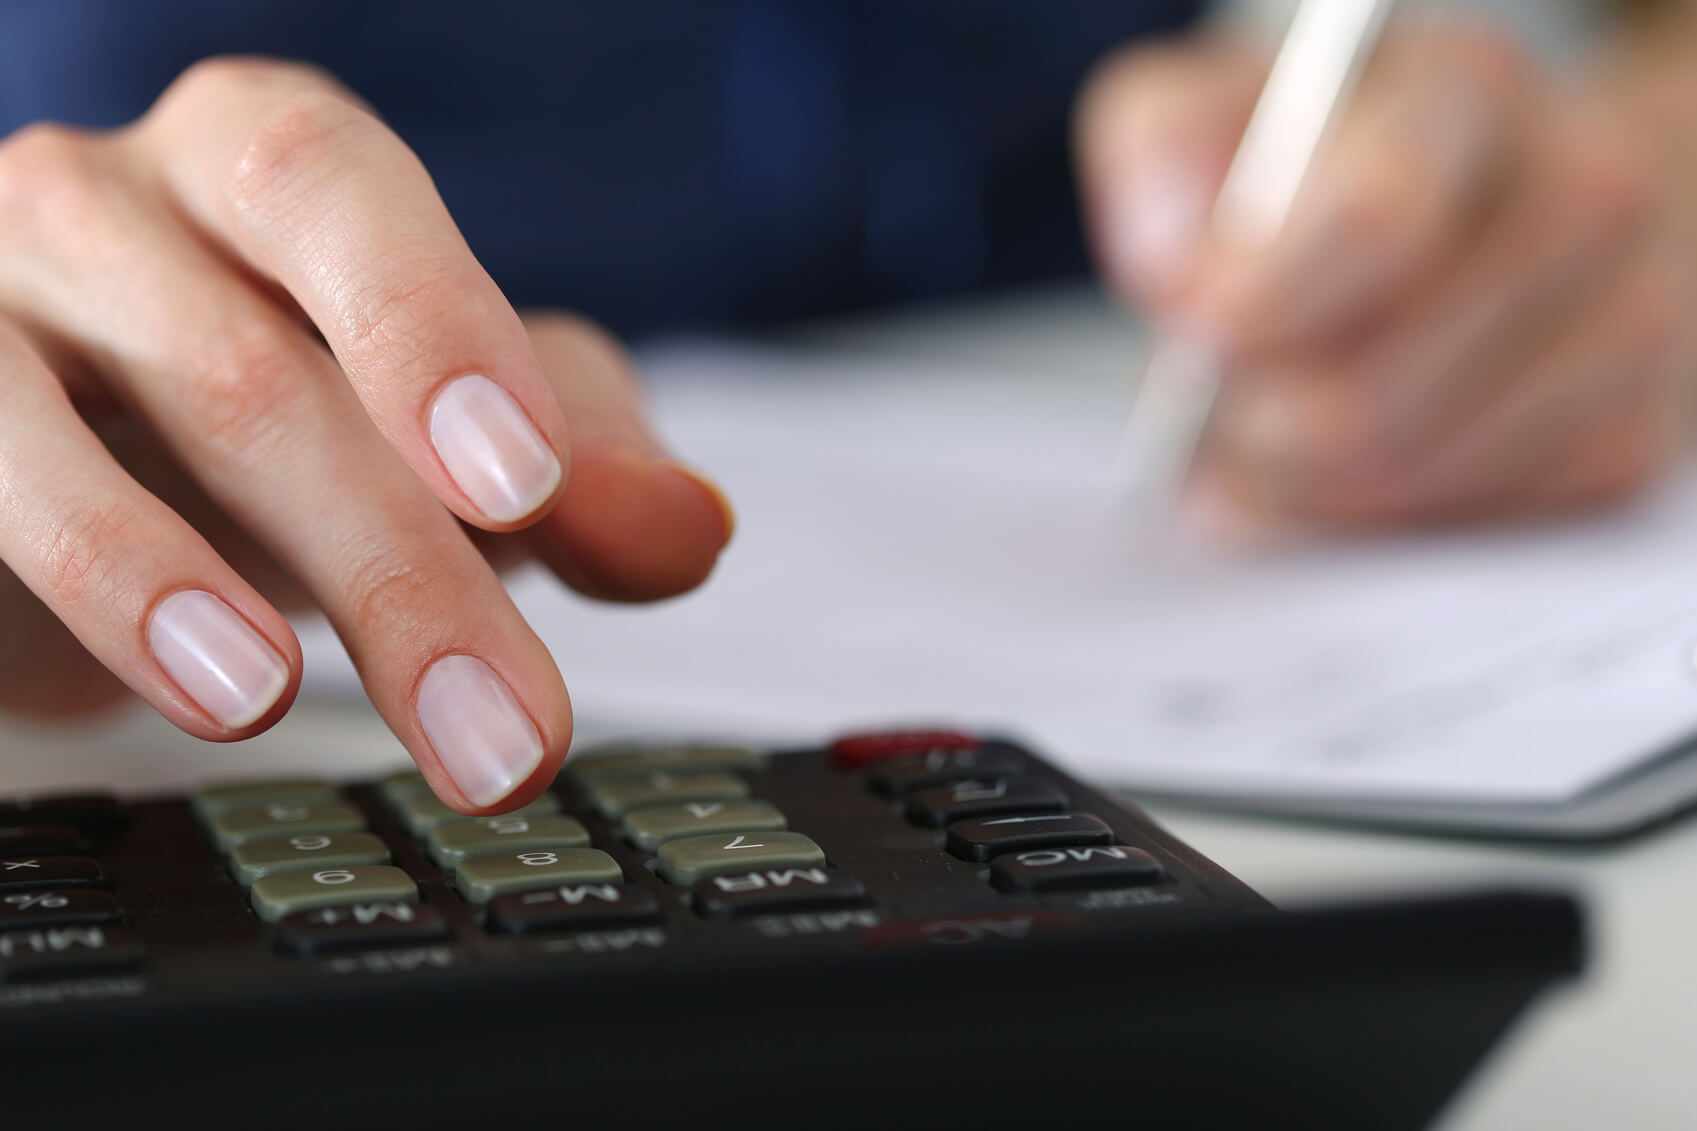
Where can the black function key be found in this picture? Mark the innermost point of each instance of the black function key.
(983, 837)
(52, 840)
(571, 907)
(89, 811)
(982, 797)
(778, 889)
(352, 925)
(57, 909)
(22, 873)
(1075, 869)
(58, 951)
(902, 776)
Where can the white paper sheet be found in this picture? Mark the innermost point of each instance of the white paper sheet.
(919, 544)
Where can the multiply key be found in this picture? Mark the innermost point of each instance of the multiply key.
(26, 872)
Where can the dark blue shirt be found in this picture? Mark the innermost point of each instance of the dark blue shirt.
(664, 164)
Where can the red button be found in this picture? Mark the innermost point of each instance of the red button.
(864, 749)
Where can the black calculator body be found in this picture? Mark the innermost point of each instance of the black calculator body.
(936, 931)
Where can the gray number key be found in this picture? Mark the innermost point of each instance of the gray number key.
(616, 796)
(423, 812)
(257, 859)
(653, 825)
(286, 892)
(693, 858)
(482, 878)
(512, 832)
(239, 826)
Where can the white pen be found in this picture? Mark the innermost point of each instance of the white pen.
(1316, 67)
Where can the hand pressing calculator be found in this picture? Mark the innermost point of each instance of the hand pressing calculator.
(917, 929)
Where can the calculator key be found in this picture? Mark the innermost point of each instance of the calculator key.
(482, 878)
(402, 784)
(571, 907)
(902, 776)
(52, 840)
(691, 859)
(633, 759)
(24, 873)
(426, 811)
(238, 826)
(613, 797)
(981, 838)
(57, 909)
(257, 859)
(653, 825)
(287, 892)
(1075, 869)
(87, 811)
(55, 952)
(211, 800)
(511, 832)
(865, 749)
(777, 889)
(353, 925)
(981, 797)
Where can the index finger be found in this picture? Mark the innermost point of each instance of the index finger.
(300, 181)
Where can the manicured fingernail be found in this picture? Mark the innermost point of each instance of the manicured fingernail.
(726, 511)
(494, 453)
(216, 657)
(486, 742)
(1156, 224)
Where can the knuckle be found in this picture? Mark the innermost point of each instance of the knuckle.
(242, 389)
(84, 550)
(295, 144)
(390, 316)
(390, 593)
(45, 170)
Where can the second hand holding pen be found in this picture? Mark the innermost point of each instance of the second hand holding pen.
(1322, 55)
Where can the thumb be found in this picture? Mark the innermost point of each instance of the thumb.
(1154, 133)
(633, 523)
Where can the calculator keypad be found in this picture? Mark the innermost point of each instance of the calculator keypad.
(637, 842)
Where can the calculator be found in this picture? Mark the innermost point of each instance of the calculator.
(893, 929)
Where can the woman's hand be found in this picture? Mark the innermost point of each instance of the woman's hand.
(246, 359)
(1482, 304)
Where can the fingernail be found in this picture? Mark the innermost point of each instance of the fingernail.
(726, 511)
(1156, 224)
(484, 739)
(207, 648)
(491, 449)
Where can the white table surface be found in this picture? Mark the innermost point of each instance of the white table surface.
(1616, 1052)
